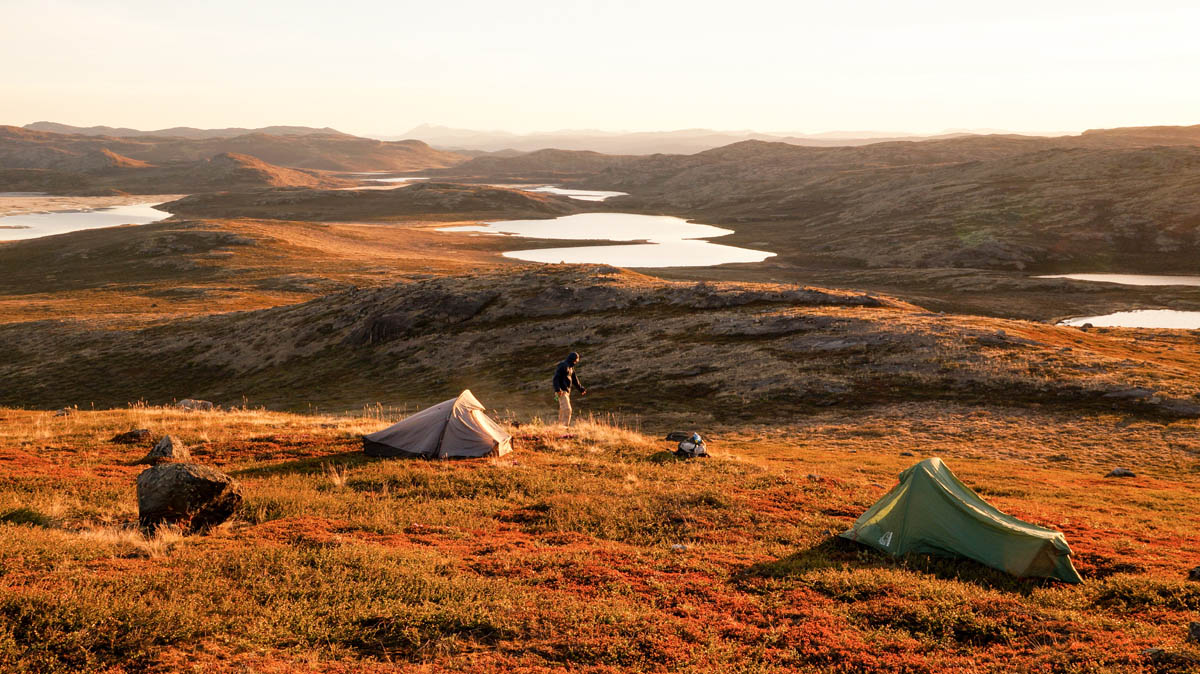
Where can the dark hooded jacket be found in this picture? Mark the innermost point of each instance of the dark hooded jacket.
(564, 375)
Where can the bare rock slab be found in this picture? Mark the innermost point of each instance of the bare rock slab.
(168, 449)
(1121, 472)
(192, 496)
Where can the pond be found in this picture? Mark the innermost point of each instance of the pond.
(664, 241)
(1143, 318)
(1132, 279)
(34, 225)
(582, 195)
(398, 180)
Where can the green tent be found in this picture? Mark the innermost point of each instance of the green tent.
(931, 512)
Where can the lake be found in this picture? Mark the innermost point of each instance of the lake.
(1132, 279)
(582, 195)
(34, 225)
(398, 180)
(664, 241)
(1144, 318)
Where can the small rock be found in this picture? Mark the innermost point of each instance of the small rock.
(1136, 393)
(136, 436)
(168, 449)
(195, 405)
(192, 496)
(1193, 633)
(1178, 407)
(679, 547)
(1086, 326)
(907, 454)
(1121, 472)
(1164, 658)
(63, 412)
(1194, 574)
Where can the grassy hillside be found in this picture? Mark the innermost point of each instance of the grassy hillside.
(130, 276)
(726, 352)
(590, 551)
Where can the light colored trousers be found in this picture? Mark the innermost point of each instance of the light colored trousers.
(564, 407)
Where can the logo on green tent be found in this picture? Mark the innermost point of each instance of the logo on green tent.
(886, 539)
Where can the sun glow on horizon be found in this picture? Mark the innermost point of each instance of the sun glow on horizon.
(382, 68)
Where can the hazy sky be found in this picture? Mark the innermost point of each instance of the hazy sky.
(383, 67)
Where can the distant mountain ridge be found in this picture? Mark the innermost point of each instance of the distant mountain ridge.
(683, 141)
(180, 131)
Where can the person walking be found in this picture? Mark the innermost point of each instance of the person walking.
(565, 380)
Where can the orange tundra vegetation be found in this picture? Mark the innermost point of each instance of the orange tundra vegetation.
(594, 552)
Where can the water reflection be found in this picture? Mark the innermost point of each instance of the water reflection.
(668, 241)
(582, 195)
(1145, 318)
(34, 225)
(1132, 279)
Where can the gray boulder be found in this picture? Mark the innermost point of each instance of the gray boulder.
(195, 405)
(136, 436)
(168, 449)
(1193, 633)
(1194, 574)
(189, 495)
(1121, 472)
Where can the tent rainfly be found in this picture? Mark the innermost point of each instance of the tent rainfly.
(456, 428)
(931, 512)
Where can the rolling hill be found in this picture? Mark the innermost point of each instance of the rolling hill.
(1116, 200)
(105, 172)
(796, 348)
(32, 149)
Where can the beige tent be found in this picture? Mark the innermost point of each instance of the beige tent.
(456, 428)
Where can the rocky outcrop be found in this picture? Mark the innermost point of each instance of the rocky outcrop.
(427, 310)
(193, 497)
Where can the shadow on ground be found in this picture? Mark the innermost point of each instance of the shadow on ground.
(838, 552)
(307, 466)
